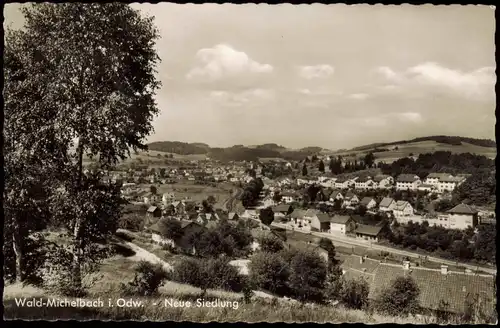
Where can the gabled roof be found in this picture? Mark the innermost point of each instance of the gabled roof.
(454, 287)
(401, 205)
(349, 194)
(297, 213)
(380, 177)
(366, 200)
(368, 230)
(363, 179)
(151, 209)
(386, 202)
(232, 216)
(438, 175)
(340, 219)
(407, 178)
(281, 208)
(335, 193)
(463, 209)
(323, 217)
(311, 213)
(342, 180)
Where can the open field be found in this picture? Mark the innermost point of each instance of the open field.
(417, 148)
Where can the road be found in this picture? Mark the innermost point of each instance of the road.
(343, 241)
(229, 203)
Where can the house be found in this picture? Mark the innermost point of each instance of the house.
(350, 199)
(179, 207)
(341, 224)
(154, 211)
(297, 215)
(402, 209)
(328, 183)
(204, 218)
(438, 287)
(368, 232)
(282, 210)
(344, 183)
(364, 183)
(386, 205)
(368, 202)
(434, 178)
(462, 216)
(408, 181)
(383, 181)
(288, 197)
(320, 222)
(427, 187)
(336, 195)
(268, 201)
(449, 183)
(305, 221)
(233, 216)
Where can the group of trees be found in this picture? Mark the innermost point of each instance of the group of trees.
(440, 161)
(79, 80)
(224, 238)
(306, 276)
(251, 192)
(453, 244)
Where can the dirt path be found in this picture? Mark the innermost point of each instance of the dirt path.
(142, 254)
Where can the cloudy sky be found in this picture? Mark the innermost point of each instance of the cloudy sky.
(335, 76)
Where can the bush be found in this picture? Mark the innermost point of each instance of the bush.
(148, 278)
(188, 271)
(269, 271)
(124, 235)
(133, 222)
(270, 243)
(354, 293)
(57, 276)
(401, 298)
(219, 274)
(308, 273)
(123, 250)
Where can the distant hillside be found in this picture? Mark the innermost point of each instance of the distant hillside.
(450, 140)
(271, 146)
(178, 147)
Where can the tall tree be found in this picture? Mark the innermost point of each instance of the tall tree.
(304, 170)
(369, 159)
(321, 166)
(92, 67)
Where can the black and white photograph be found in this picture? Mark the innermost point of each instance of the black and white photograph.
(249, 163)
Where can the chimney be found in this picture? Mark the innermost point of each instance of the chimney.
(444, 269)
(406, 265)
(361, 259)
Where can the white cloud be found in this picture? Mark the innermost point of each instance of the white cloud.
(474, 84)
(358, 96)
(222, 61)
(240, 98)
(317, 71)
(410, 117)
(469, 83)
(319, 91)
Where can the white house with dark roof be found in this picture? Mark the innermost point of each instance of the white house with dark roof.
(387, 204)
(336, 195)
(383, 181)
(462, 216)
(345, 183)
(402, 209)
(364, 183)
(368, 202)
(408, 181)
(321, 222)
(341, 224)
(350, 199)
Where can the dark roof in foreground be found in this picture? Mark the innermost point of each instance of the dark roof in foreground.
(463, 209)
(368, 229)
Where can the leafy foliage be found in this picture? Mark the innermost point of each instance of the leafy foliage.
(148, 278)
(269, 271)
(270, 243)
(266, 216)
(308, 272)
(354, 293)
(401, 298)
